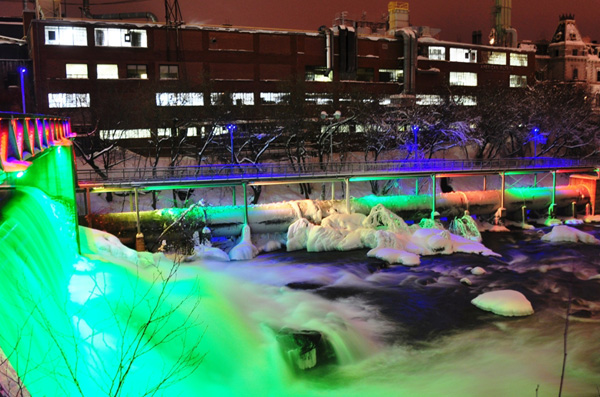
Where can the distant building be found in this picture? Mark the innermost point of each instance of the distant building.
(14, 55)
(80, 64)
(569, 58)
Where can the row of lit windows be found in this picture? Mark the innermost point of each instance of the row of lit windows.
(463, 100)
(168, 99)
(469, 79)
(466, 55)
(322, 74)
(145, 133)
(111, 71)
(103, 37)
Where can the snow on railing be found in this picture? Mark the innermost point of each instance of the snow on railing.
(238, 172)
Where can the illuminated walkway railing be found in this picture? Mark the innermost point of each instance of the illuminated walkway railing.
(22, 136)
(225, 173)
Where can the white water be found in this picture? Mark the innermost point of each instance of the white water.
(243, 304)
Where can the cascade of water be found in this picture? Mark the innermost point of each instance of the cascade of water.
(36, 259)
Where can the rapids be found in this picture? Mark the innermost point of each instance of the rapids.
(110, 321)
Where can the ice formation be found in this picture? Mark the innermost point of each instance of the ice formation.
(244, 250)
(388, 236)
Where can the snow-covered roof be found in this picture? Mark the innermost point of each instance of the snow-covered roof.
(432, 40)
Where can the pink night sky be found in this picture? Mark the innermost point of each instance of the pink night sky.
(533, 19)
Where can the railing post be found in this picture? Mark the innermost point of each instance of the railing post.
(88, 204)
(139, 237)
(347, 195)
(484, 182)
(502, 209)
(332, 191)
(433, 190)
(245, 204)
(553, 204)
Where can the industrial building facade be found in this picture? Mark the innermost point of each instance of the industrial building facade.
(80, 64)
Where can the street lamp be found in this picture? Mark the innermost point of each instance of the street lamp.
(415, 148)
(540, 138)
(415, 130)
(231, 128)
(22, 71)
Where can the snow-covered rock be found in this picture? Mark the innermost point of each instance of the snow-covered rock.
(395, 256)
(563, 233)
(478, 271)
(504, 303)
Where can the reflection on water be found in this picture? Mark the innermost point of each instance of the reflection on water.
(394, 330)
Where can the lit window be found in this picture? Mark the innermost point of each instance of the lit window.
(68, 100)
(463, 55)
(169, 72)
(385, 101)
(517, 81)
(242, 98)
(271, 98)
(137, 72)
(115, 37)
(425, 100)
(179, 99)
(518, 59)
(387, 75)
(465, 100)
(463, 79)
(318, 99)
(107, 71)
(77, 71)
(218, 98)
(65, 35)
(437, 53)
(318, 73)
(124, 134)
(495, 57)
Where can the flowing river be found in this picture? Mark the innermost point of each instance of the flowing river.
(112, 322)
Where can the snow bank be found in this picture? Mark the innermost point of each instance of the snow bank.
(563, 233)
(504, 303)
(97, 242)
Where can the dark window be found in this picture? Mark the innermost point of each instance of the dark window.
(575, 74)
(169, 72)
(365, 74)
(137, 72)
(575, 52)
(598, 75)
(51, 35)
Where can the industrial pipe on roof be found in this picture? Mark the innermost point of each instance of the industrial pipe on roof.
(409, 37)
(122, 15)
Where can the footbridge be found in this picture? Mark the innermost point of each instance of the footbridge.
(202, 176)
(125, 179)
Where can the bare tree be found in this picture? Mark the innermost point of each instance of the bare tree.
(99, 345)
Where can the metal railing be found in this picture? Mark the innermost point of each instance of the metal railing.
(269, 171)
